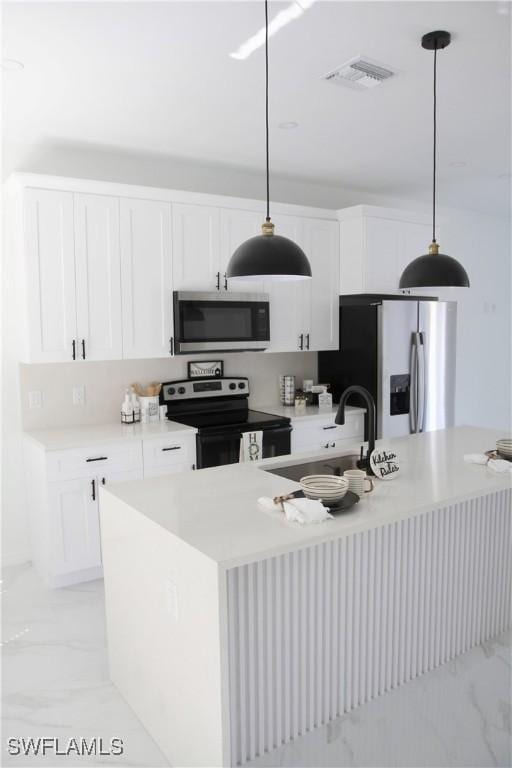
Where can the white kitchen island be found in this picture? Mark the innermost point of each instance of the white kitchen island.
(232, 632)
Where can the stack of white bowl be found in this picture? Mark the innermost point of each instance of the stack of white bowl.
(504, 447)
(326, 488)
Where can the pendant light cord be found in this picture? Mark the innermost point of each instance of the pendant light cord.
(435, 150)
(266, 108)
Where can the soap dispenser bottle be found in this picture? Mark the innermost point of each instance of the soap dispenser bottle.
(135, 406)
(127, 409)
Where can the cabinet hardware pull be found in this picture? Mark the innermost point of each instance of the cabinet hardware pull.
(307, 340)
(193, 466)
(301, 341)
(225, 281)
(73, 345)
(332, 427)
(103, 481)
(333, 445)
(93, 485)
(173, 448)
(171, 345)
(98, 458)
(83, 349)
(218, 281)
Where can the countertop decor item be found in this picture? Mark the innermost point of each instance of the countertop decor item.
(268, 256)
(385, 463)
(434, 269)
(201, 369)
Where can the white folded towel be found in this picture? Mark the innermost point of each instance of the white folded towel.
(476, 458)
(303, 511)
(497, 465)
(251, 446)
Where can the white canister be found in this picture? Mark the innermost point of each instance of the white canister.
(149, 408)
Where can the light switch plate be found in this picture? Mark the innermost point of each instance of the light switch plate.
(79, 395)
(35, 399)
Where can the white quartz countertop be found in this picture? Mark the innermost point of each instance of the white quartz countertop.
(311, 412)
(216, 511)
(75, 437)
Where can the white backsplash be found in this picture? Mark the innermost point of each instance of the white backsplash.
(105, 383)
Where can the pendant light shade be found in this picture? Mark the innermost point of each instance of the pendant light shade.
(268, 256)
(434, 269)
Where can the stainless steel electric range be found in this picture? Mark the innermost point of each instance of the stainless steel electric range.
(219, 409)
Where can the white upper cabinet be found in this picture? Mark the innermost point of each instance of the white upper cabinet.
(286, 310)
(50, 275)
(237, 226)
(146, 278)
(376, 245)
(320, 295)
(101, 263)
(98, 277)
(196, 248)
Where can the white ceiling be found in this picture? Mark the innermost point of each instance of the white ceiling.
(157, 77)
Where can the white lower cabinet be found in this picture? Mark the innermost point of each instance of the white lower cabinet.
(167, 455)
(319, 432)
(64, 497)
(74, 526)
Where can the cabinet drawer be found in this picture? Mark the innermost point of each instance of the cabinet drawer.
(95, 460)
(167, 452)
(321, 434)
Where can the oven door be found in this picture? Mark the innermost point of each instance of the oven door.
(216, 448)
(212, 322)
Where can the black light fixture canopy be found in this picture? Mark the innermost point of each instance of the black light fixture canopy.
(268, 256)
(434, 269)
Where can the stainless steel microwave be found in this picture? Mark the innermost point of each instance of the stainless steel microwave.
(220, 322)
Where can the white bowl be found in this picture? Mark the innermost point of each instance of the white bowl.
(504, 446)
(325, 487)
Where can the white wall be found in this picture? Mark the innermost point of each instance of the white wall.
(481, 242)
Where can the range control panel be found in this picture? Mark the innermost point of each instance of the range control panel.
(187, 389)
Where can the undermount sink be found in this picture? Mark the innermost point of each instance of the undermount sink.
(335, 466)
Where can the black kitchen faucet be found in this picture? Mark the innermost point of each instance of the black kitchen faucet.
(364, 462)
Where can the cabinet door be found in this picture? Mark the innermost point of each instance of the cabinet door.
(195, 248)
(286, 314)
(50, 274)
(382, 245)
(146, 278)
(237, 227)
(74, 526)
(320, 298)
(98, 277)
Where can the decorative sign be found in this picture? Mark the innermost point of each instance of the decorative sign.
(204, 369)
(384, 463)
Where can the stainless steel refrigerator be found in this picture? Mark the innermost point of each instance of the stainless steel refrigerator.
(402, 349)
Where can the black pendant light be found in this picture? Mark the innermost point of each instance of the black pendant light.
(434, 269)
(268, 256)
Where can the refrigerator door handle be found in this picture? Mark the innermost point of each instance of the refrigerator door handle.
(415, 384)
(422, 378)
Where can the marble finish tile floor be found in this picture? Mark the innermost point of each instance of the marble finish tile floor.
(55, 683)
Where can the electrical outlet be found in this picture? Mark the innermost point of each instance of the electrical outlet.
(79, 395)
(35, 399)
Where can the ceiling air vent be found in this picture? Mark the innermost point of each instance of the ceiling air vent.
(360, 72)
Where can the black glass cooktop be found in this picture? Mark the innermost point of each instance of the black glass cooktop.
(236, 420)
